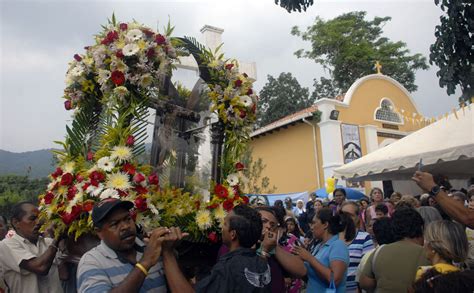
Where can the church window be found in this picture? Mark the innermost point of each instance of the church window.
(386, 113)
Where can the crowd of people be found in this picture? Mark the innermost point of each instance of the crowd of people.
(401, 243)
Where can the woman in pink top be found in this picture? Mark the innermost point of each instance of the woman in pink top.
(376, 195)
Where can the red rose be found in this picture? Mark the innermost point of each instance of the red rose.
(67, 218)
(221, 191)
(119, 54)
(128, 168)
(140, 203)
(229, 66)
(150, 53)
(138, 178)
(122, 193)
(79, 178)
(123, 26)
(245, 199)
(67, 179)
(153, 179)
(88, 206)
(90, 156)
(130, 140)
(212, 236)
(57, 173)
(48, 198)
(148, 33)
(111, 36)
(237, 83)
(160, 39)
(249, 92)
(236, 190)
(118, 78)
(239, 166)
(77, 57)
(71, 192)
(141, 190)
(242, 114)
(212, 206)
(97, 176)
(228, 204)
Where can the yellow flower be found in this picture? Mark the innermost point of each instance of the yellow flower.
(87, 86)
(121, 91)
(120, 43)
(121, 153)
(203, 219)
(141, 44)
(219, 214)
(118, 181)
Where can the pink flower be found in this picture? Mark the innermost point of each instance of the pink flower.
(160, 39)
(138, 178)
(123, 26)
(212, 236)
(130, 140)
(68, 105)
(90, 156)
(153, 179)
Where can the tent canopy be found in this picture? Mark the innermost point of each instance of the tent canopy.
(445, 147)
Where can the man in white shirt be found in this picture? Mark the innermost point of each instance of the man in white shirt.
(28, 258)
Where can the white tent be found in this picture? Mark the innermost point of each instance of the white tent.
(445, 147)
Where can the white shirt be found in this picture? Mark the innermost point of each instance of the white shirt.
(16, 249)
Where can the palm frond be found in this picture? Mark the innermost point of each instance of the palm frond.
(199, 53)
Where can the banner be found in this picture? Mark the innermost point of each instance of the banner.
(350, 142)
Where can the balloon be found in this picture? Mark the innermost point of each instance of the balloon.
(330, 184)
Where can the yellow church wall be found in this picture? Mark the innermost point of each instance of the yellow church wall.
(288, 154)
(366, 99)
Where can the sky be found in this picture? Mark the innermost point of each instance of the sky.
(39, 38)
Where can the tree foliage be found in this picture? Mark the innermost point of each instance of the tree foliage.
(15, 188)
(256, 184)
(294, 5)
(280, 97)
(453, 51)
(348, 47)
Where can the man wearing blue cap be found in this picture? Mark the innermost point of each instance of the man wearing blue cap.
(120, 263)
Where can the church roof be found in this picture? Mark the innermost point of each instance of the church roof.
(289, 119)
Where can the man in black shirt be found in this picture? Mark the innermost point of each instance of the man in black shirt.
(240, 270)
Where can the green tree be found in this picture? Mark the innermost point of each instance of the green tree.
(348, 47)
(294, 5)
(280, 97)
(256, 184)
(453, 51)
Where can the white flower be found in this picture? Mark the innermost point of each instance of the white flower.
(203, 219)
(152, 207)
(95, 191)
(106, 164)
(118, 180)
(246, 101)
(134, 34)
(121, 91)
(130, 49)
(77, 70)
(233, 179)
(121, 153)
(109, 192)
(104, 75)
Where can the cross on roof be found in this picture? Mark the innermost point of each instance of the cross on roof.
(378, 66)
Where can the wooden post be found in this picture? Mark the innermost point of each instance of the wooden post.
(217, 139)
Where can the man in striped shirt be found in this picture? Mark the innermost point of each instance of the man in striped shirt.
(358, 247)
(120, 263)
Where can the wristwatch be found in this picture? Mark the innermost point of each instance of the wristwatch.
(435, 190)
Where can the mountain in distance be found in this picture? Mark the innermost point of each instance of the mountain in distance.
(34, 164)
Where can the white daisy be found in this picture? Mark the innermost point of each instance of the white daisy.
(130, 49)
(77, 71)
(233, 179)
(121, 153)
(106, 164)
(95, 191)
(109, 192)
(134, 34)
(246, 101)
(104, 76)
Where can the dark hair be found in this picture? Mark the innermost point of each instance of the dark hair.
(433, 281)
(341, 190)
(337, 222)
(381, 207)
(247, 223)
(278, 212)
(278, 203)
(442, 180)
(407, 223)
(364, 199)
(383, 232)
(18, 212)
(297, 227)
(459, 194)
(4, 219)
